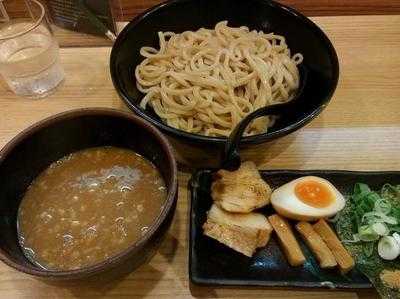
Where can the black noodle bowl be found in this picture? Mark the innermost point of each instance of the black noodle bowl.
(302, 36)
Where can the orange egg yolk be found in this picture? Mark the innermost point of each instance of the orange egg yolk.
(314, 194)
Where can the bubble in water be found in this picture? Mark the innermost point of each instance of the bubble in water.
(91, 231)
(94, 184)
(125, 188)
(46, 217)
(119, 219)
(144, 229)
(121, 225)
(68, 240)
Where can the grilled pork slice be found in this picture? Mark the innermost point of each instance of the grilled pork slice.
(240, 191)
(241, 232)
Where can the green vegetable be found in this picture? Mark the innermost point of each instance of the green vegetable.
(368, 249)
(371, 208)
(367, 234)
(380, 228)
(388, 248)
(396, 236)
(367, 216)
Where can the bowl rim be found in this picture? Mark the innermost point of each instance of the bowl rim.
(133, 248)
(253, 139)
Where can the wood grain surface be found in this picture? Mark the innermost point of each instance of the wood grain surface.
(68, 38)
(125, 10)
(359, 130)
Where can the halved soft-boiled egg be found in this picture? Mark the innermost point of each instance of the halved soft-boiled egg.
(307, 198)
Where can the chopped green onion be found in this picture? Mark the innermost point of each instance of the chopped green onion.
(334, 219)
(380, 228)
(396, 236)
(368, 249)
(356, 239)
(390, 191)
(367, 234)
(382, 206)
(378, 217)
(361, 188)
(388, 248)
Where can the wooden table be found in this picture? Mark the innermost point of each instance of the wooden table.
(360, 130)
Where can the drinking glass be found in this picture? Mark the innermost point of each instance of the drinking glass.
(29, 53)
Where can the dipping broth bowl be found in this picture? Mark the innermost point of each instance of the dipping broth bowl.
(33, 150)
(302, 36)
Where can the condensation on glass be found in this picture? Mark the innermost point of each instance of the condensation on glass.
(29, 53)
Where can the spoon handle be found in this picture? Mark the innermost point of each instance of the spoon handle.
(231, 158)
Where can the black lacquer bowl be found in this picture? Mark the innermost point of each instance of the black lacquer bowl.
(212, 263)
(34, 149)
(302, 35)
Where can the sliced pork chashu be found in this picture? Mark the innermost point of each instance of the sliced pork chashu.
(241, 232)
(240, 191)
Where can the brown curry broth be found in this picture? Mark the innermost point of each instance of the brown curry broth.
(89, 206)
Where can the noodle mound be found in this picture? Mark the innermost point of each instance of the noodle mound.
(206, 81)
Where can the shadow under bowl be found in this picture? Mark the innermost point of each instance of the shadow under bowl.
(33, 150)
(302, 36)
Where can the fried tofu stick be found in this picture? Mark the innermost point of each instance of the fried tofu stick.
(343, 258)
(321, 252)
(287, 240)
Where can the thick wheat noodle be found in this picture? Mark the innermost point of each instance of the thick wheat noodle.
(206, 81)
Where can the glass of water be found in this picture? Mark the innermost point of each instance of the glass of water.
(29, 53)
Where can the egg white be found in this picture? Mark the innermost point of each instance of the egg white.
(287, 204)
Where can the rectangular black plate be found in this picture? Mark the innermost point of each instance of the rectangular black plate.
(212, 263)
